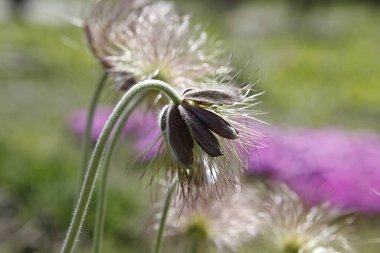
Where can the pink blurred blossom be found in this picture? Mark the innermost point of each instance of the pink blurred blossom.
(324, 165)
(142, 127)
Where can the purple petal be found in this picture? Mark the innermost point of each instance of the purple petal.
(214, 122)
(180, 140)
(204, 137)
(223, 95)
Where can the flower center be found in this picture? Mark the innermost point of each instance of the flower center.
(291, 245)
(197, 229)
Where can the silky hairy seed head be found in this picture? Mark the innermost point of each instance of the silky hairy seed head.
(102, 21)
(138, 40)
(223, 225)
(290, 226)
(103, 26)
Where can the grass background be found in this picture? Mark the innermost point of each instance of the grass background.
(319, 69)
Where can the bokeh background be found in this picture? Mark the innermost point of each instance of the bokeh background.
(318, 61)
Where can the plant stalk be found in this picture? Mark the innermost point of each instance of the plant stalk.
(105, 165)
(93, 166)
(160, 234)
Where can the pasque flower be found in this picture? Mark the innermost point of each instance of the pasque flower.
(194, 120)
(223, 225)
(103, 25)
(206, 138)
(140, 39)
(289, 226)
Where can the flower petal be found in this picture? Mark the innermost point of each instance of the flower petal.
(204, 137)
(223, 95)
(180, 140)
(214, 122)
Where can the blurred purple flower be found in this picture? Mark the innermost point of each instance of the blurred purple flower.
(324, 165)
(77, 122)
(332, 165)
(142, 126)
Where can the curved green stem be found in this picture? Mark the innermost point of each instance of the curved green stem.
(87, 141)
(93, 166)
(169, 194)
(105, 163)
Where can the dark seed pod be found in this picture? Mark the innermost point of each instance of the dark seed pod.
(203, 136)
(180, 140)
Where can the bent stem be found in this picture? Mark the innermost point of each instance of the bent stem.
(169, 194)
(105, 163)
(93, 166)
(89, 121)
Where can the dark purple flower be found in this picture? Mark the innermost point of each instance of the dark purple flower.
(204, 141)
(195, 120)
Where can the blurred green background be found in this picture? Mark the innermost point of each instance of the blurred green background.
(318, 61)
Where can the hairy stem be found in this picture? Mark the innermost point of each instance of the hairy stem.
(105, 165)
(93, 166)
(160, 234)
